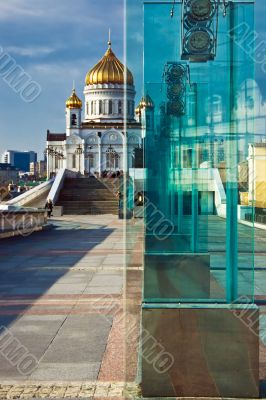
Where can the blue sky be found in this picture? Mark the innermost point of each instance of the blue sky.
(56, 42)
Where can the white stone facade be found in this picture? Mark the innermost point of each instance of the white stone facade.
(87, 151)
(106, 102)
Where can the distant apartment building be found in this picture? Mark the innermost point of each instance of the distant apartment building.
(257, 174)
(8, 174)
(38, 169)
(19, 159)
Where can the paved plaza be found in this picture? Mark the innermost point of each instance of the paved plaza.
(62, 296)
(67, 299)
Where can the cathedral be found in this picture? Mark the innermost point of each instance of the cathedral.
(101, 132)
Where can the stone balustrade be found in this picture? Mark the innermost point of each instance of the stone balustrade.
(15, 221)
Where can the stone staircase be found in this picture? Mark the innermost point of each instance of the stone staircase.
(89, 196)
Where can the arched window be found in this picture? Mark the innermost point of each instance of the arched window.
(117, 161)
(191, 104)
(205, 155)
(221, 156)
(112, 160)
(91, 160)
(105, 106)
(110, 107)
(91, 108)
(73, 160)
(87, 107)
(214, 109)
(100, 106)
(187, 158)
(120, 107)
(73, 119)
(109, 161)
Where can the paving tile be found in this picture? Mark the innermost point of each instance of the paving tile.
(35, 344)
(44, 318)
(75, 278)
(29, 327)
(117, 272)
(81, 350)
(27, 290)
(66, 288)
(94, 327)
(66, 371)
(10, 372)
(103, 290)
(106, 280)
(48, 274)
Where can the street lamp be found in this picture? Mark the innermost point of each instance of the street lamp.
(87, 156)
(79, 150)
(49, 151)
(55, 154)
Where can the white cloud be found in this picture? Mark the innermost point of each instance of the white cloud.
(14, 8)
(65, 72)
(137, 37)
(59, 10)
(30, 51)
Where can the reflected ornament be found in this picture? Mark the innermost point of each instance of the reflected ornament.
(176, 108)
(199, 41)
(174, 92)
(199, 34)
(201, 10)
(113, 137)
(91, 139)
(174, 73)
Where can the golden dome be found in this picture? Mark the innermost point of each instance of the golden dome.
(145, 102)
(138, 110)
(109, 70)
(73, 101)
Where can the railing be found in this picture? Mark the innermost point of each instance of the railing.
(32, 194)
(59, 182)
(19, 221)
(220, 196)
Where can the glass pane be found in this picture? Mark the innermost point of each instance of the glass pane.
(198, 116)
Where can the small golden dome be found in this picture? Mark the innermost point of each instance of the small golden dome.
(138, 110)
(146, 102)
(73, 101)
(109, 70)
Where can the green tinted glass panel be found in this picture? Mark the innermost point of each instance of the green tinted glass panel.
(197, 137)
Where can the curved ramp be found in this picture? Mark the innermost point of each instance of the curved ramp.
(35, 197)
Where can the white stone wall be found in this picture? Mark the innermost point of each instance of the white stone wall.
(107, 102)
(94, 145)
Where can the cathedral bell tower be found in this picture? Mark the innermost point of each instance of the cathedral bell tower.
(73, 114)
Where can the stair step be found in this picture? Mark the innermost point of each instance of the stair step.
(88, 203)
(89, 196)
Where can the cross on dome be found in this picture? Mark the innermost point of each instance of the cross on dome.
(109, 38)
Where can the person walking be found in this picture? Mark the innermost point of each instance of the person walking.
(49, 207)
